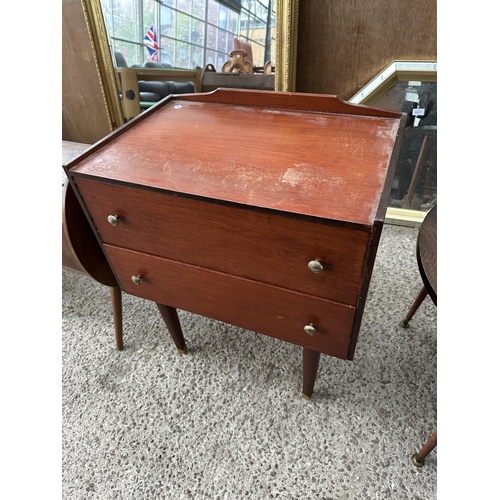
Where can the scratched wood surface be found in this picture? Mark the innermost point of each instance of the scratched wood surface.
(330, 165)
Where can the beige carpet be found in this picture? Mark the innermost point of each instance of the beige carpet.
(226, 421)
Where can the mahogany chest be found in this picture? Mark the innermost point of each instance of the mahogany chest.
(260, 209)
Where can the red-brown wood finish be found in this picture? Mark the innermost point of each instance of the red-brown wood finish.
(255, 306)
(171, 319)
(322, 164)
(116, 300)
(310, 365)
(427, 253)
(224, 198)
(414, 307)
(239, 241)
(427, 263)
(81, 251)
(418, 459)
(428, 446)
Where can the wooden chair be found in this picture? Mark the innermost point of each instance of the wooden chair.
(128, 83)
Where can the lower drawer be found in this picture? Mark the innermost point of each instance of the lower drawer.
(255, 306)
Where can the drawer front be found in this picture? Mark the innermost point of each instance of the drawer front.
(265, 247)
(262, 308)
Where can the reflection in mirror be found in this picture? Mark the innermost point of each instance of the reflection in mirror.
(415, 182)
(189, 34)
(410, 87)
(116, 29)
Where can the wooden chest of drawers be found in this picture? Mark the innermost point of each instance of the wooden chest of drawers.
(260, 209)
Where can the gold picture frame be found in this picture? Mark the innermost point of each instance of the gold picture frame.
(287, 20)
(287, 15)
(396, 71)
(94, 19)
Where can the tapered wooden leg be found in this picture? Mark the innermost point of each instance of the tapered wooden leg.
(116, 301)
(414, 307)
(171, 319)
(310, 363)
(419, 458)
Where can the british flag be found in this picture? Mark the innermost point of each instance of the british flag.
(151, 43)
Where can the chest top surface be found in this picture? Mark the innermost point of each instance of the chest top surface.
(298, 153)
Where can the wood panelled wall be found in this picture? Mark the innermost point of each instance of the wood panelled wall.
(84, 116)
(343, 44)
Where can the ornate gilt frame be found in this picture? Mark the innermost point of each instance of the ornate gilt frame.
(287, 16)
(104, 63)
(287, 20)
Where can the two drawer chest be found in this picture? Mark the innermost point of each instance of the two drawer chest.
(259, 209)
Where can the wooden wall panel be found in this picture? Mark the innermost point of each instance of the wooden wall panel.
(84, 116)
(343, 44)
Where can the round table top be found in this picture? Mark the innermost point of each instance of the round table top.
(427, 253)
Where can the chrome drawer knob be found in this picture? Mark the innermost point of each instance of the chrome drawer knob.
(309, 329)
(113, 220)
(315, 266)
(137, 279)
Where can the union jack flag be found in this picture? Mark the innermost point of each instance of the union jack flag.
(151, 43)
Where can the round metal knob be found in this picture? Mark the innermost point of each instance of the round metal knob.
(309, 329)
(315, 266)
(137, 279)
(113, 220)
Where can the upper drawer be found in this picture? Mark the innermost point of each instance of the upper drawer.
(261, 246)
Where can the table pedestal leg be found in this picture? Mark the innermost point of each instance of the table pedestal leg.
(310, 363)
(414, 307)
(116, 301)
(169, 315)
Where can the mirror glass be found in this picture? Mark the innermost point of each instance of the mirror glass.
(415, 181)
(189, 34)
(411, 87)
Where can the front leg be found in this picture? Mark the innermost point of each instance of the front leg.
(169, 315)
(310, 363)
(116, 300)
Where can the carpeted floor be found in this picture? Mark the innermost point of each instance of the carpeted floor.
(226, 421)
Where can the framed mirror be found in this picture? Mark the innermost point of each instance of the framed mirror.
(411, 87)
(104, 63)
(286, 12)
(287, 20)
